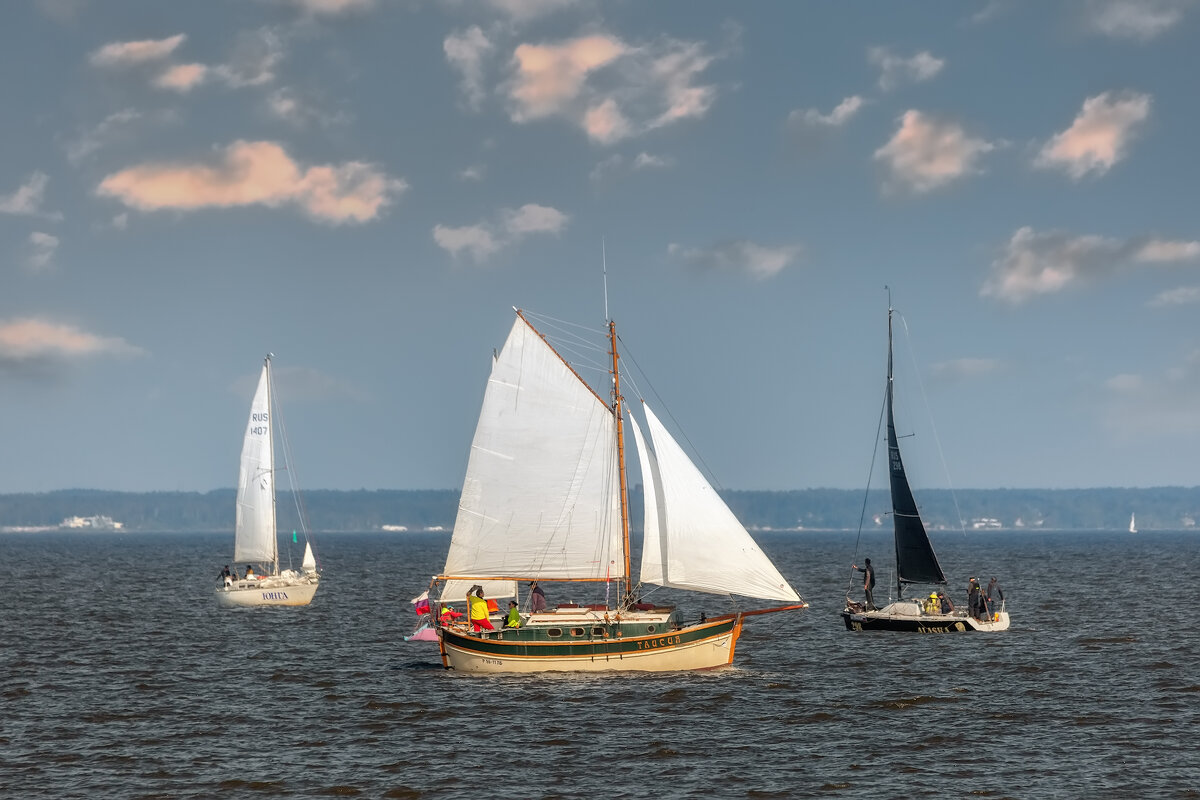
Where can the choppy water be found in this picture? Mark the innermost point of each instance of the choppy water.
(120, 678)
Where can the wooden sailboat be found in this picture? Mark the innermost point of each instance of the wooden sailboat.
(916, 563)
(256, 541)
(544, 499)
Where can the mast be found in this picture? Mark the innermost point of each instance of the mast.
(617, 401)
(271, 444)
(893, 453)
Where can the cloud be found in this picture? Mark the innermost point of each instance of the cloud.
(741, 255)
(27, 199)
(1139, 406)
(253, 60)
(839, 116)
(609, 89)
(472, 173)
(526, 10)
(961, 368)
(1036, 263)
(467, 51)
(618, 163)
(257, 173)
(111, 129)
(42, 247)
(926, 153)
(896, 70)
(119, 54)
(485, 239)
(1162, 250)
(1099, 136)
(1141, 20)
(1181, 296)
(330, 8)
(182, 77)
(30, 345)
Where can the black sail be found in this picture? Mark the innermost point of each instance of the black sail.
(915, 560)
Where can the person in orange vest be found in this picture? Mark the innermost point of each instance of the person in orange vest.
(477, 611)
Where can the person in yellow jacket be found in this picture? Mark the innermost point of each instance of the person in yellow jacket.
(513, 620)
(477, 611)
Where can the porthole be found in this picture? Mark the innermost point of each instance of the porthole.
(554, 633)
(577, 631)
(650, 629)
(598, 632)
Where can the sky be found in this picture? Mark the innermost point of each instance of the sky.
(366, 189)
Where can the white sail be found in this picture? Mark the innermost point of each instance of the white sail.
(309, 564)
(653, 543)
(706, 548)
(254, 540)
(1132, 524)
(456, 591)
(540, 498)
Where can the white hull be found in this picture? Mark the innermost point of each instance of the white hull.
(267, 592)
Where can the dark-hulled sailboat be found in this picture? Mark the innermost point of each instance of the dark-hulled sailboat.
(916, 563)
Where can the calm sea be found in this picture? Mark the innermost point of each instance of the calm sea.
(120, 678)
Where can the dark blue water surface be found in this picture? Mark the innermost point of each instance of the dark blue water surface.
(121, 678)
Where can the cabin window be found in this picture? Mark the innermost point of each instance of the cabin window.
(554, 633)
(598, 632)
(650, 629)
(577, 631)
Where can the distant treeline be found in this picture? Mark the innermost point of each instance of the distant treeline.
(1168, 508)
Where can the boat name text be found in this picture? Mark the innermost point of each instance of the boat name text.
(662, 641)
(274, 595)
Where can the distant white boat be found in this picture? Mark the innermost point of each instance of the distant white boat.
(1132, 524)
(255, 539)
(94, 523)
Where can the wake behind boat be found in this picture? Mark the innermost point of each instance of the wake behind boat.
(544, 499)
(255, 538)
(915, 562)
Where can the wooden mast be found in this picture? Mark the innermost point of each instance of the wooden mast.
(616, 373)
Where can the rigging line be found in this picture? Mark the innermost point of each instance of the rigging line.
(870, 476)
(663, 405)
(933, 427)
(293, 481)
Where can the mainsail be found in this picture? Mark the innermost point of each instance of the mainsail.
(254, 540)
(915, 560)
(693, 540)
(540, 499)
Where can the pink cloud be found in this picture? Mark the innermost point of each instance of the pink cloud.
(1100, 135)
(29, 340)
(926, 153)
(550, 76)
(182, 77)
(123, 53)
(257, 173)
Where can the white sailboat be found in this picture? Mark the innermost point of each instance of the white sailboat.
(1132, 523)
(544, 499)
(256, 541)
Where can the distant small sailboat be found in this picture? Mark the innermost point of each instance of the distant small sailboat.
(916, 562)
(255, 539)
(1132, 523)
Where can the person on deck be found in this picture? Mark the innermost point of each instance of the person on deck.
(974, 598)
(932, 605)
(946, 605)
(477, 611)
(227, 576)
(537, 598)
(994, 591)
(513, 620)
(449, 615)
(868, 582)
(250, 573)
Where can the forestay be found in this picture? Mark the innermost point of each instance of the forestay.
(540, 497)
(702, 545)
(254, 540)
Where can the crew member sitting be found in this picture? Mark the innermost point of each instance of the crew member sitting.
(513, 620)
